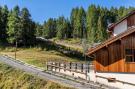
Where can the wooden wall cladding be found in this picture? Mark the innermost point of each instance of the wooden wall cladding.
(112, 57)
(101, 60)
(131, 20)
(129, 43)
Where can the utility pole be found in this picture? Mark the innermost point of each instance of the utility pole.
(84, 45)
(15, 46)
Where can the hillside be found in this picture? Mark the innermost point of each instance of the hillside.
(71, 42)
(11, 78)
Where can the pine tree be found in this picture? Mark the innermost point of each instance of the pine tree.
(4, 16)
(27, 28)
(63, 28)
(60, 27)
(50, 28)
(1, 32)
(39, 30)
(74, 21)
(92, 18)
(121, 12)
(82, 23)
(100, 29)
(68, 31)
(14, 25)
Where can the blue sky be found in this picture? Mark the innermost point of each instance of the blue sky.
(43, 9)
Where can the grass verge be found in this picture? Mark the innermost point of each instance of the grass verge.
(11, 78)
(36, 56)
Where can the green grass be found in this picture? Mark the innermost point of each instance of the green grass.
(69, 40)
(73, 41)
(11, 78)
(75, 44)
(36, 56)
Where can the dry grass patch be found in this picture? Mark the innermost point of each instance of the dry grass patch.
(36, 56)
(11, 78)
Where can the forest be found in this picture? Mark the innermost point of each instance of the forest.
(16, 25)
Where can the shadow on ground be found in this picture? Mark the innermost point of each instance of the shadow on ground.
(49, 45)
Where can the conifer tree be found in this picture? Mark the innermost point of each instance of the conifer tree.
(50, 28)
(27, 28)
(4, 15)
(14, 25)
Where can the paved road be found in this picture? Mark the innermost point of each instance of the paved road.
(41, 74)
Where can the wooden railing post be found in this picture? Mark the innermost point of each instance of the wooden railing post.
(55, 65)
(59, 66)
(64, 66)
(70, 66)
(51, 66)
(82, 68)
(86, 69)
(75, 66)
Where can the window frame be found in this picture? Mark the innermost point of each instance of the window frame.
(130, 55)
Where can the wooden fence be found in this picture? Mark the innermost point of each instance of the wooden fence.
(70, 68)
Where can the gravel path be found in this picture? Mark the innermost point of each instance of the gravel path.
(38, 72)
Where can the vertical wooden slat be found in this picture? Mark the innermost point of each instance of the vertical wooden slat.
(64, 66)
(114, 54)
(59, 66)
(55, 65)
(75, 66)
(70, 66)
(81, 67)
(51, 66)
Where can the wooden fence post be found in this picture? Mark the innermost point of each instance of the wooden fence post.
(64, 66)
(70, 66)
(51, 66)
(59, 66)
(75, 66)
(55, 65)
(86, 69)
(82, 68)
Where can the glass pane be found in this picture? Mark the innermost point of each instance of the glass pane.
(134, 56)
(129, 58)
(129, 51)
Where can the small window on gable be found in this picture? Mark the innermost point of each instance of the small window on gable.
(130, 54)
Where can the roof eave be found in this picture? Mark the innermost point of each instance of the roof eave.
(111, 40)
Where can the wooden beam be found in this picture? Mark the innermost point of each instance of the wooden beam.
(111, 40)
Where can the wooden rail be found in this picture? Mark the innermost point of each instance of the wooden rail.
(76, 67)
(71, 70)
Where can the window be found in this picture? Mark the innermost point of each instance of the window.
(130, 55)
(129, 51)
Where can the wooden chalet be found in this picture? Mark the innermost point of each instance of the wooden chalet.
(114, 59)
(117, 54)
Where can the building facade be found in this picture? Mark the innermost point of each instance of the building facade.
(123, 24)
(114, 59)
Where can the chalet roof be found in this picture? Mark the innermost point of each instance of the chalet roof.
(111, 40)
(122, 19)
